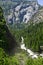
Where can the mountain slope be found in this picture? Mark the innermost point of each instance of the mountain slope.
(22, 12)
(33, 34)
(38, 17)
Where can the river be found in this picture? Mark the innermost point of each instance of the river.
(31, 53)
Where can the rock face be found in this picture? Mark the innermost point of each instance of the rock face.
(38, 16)
(23, 11)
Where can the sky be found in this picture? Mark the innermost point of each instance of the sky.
(40, 2)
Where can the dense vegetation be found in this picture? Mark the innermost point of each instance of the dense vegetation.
(6, 6)
(33, 38)
(31, 61)
(2, 30)
(5, 59)
(6, 39)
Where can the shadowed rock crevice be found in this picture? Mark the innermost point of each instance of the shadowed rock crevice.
(12, 44)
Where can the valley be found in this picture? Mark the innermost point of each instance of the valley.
(21, 32)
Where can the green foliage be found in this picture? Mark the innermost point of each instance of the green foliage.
(33, 39)
(6, 38)
(4, 41)
(31, 61)
(2, 57)
(15, 61)
(33, 36)
(6, 60)
(2, 30)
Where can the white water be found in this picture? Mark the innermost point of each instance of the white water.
(31, 53)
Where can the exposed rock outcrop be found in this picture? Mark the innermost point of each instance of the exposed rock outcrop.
(23, 11)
